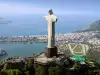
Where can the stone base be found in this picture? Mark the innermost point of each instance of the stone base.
(50, 52)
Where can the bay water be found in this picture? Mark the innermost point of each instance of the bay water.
(22, 50)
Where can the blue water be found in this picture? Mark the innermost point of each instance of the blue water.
(23, 50)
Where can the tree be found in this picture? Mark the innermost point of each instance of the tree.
(5, 66)
(27, 73)
(31, 66)
(10, 72)
(31, 62)
(90, 72)
(76, 66)
(55, 70)
(41, 70)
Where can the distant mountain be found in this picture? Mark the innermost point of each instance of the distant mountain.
(95, 26)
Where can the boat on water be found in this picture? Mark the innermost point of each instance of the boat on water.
(3, 52)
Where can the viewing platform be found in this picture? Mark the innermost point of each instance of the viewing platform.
(43, 60)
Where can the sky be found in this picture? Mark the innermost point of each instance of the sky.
(27, 15)
(62, 7)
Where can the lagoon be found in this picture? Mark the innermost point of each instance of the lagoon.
(23, 50)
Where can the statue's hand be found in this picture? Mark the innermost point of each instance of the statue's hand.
(46, 17)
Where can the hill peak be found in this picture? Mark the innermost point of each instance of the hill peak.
(95, 26)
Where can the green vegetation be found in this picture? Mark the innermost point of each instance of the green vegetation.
(18, 66)
(29, 68)
(78, 48)
(10, 72)
(40, 70)
(74, 49)
(72, 45)
(55, 70)
(27, 73)
(76, 66)
(78, 54)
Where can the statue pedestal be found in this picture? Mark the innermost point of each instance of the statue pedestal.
(50, 52)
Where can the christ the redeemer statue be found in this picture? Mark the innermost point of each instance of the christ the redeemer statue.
(51, 48)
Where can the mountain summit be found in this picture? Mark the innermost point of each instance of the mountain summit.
(95, 26)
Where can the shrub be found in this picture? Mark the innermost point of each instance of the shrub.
(76, 66)
(55, 70)
(27, 73)
(10, 72)
(31, 66)
(40, 70)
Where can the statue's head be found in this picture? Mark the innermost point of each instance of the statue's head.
(50, 12)
(52, 16)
